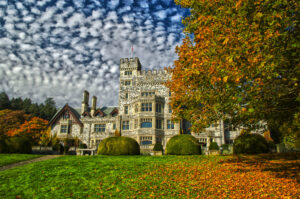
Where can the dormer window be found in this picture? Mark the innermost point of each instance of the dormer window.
(128, 72)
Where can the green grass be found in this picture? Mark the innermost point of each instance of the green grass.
(90, 176)
(6, 159)
(153, 176)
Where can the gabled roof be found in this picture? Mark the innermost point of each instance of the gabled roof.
(86, 113)
(59, 113)
(114, 111)
(108, 110)
(100, 112)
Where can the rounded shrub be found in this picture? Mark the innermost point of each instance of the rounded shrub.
(214, 146)
(119, 146)
(250, 143)
(157, 147)
(225, 147)
(183, 144)
(82, 146)
(3, 146)
(18, 145)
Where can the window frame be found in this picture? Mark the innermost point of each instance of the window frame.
(126, 110)
(125, 125)
(146, 107)
(99, 128)
(128, 73)
(159, 124)
(170, 124)
(127, 83)
(64, 127)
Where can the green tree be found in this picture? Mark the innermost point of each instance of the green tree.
(48, 109)
(4, 101)
(16, 103)
(240, 59)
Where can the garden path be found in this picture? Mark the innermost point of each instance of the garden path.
(13, 165)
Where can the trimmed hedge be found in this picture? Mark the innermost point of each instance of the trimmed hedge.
(251, 143)
(18, 145)
(82, 146)
(158, 147)
(214, 146)
(3, 146)
(119, 146)
(183, 144)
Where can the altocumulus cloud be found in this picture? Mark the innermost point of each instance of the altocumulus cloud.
(58, 48)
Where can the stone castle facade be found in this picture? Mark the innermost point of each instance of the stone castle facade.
(143, 114)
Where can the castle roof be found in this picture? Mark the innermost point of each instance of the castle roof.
(59, 113)
(76, 113)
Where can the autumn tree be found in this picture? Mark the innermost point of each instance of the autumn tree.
(10, 120)
(239, 60)
(32, 129)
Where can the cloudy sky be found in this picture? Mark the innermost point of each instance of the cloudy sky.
(59, 48)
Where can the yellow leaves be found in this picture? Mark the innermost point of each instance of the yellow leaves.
(238, 4)
(259, 15)
(225, 41)
(225, 79)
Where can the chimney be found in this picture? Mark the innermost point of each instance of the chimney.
(94, 105)
(85, 102)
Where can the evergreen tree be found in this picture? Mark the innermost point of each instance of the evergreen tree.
(4, 101)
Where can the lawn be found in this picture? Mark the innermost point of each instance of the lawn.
(13, 158)
(262, 176)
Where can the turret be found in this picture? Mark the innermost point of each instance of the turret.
(94, 104)
(129, 66)
(85, 102)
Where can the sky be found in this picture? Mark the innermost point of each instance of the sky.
(59, 48)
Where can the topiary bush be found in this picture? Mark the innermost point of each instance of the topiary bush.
(158, 147)
(225, 147)
(214, 146)
(18, 145)
(250, 143)
(3, 146)
(82, 146)
(119, 146)
(183, 144)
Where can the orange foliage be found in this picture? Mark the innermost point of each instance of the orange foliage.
(232, 62)
(10, 120)
(32, 129)
(267, 135)
(260, 176)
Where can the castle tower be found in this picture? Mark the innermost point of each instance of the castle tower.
(85, 102)
(129, 68)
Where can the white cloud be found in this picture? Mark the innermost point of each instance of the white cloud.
(112, 4)
(61, 50)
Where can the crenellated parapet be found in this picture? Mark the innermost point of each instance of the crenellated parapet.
(130, 64)
(154, 72)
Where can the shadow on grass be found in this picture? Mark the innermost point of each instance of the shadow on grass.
(282, 165)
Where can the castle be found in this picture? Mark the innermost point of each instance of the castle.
(143, 114)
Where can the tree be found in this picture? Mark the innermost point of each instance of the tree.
(49, 109)
(117, 133)
(10, 120)
(45, 137)
(4, 101)
(16, 103)
(32, 129)
(239, 60)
